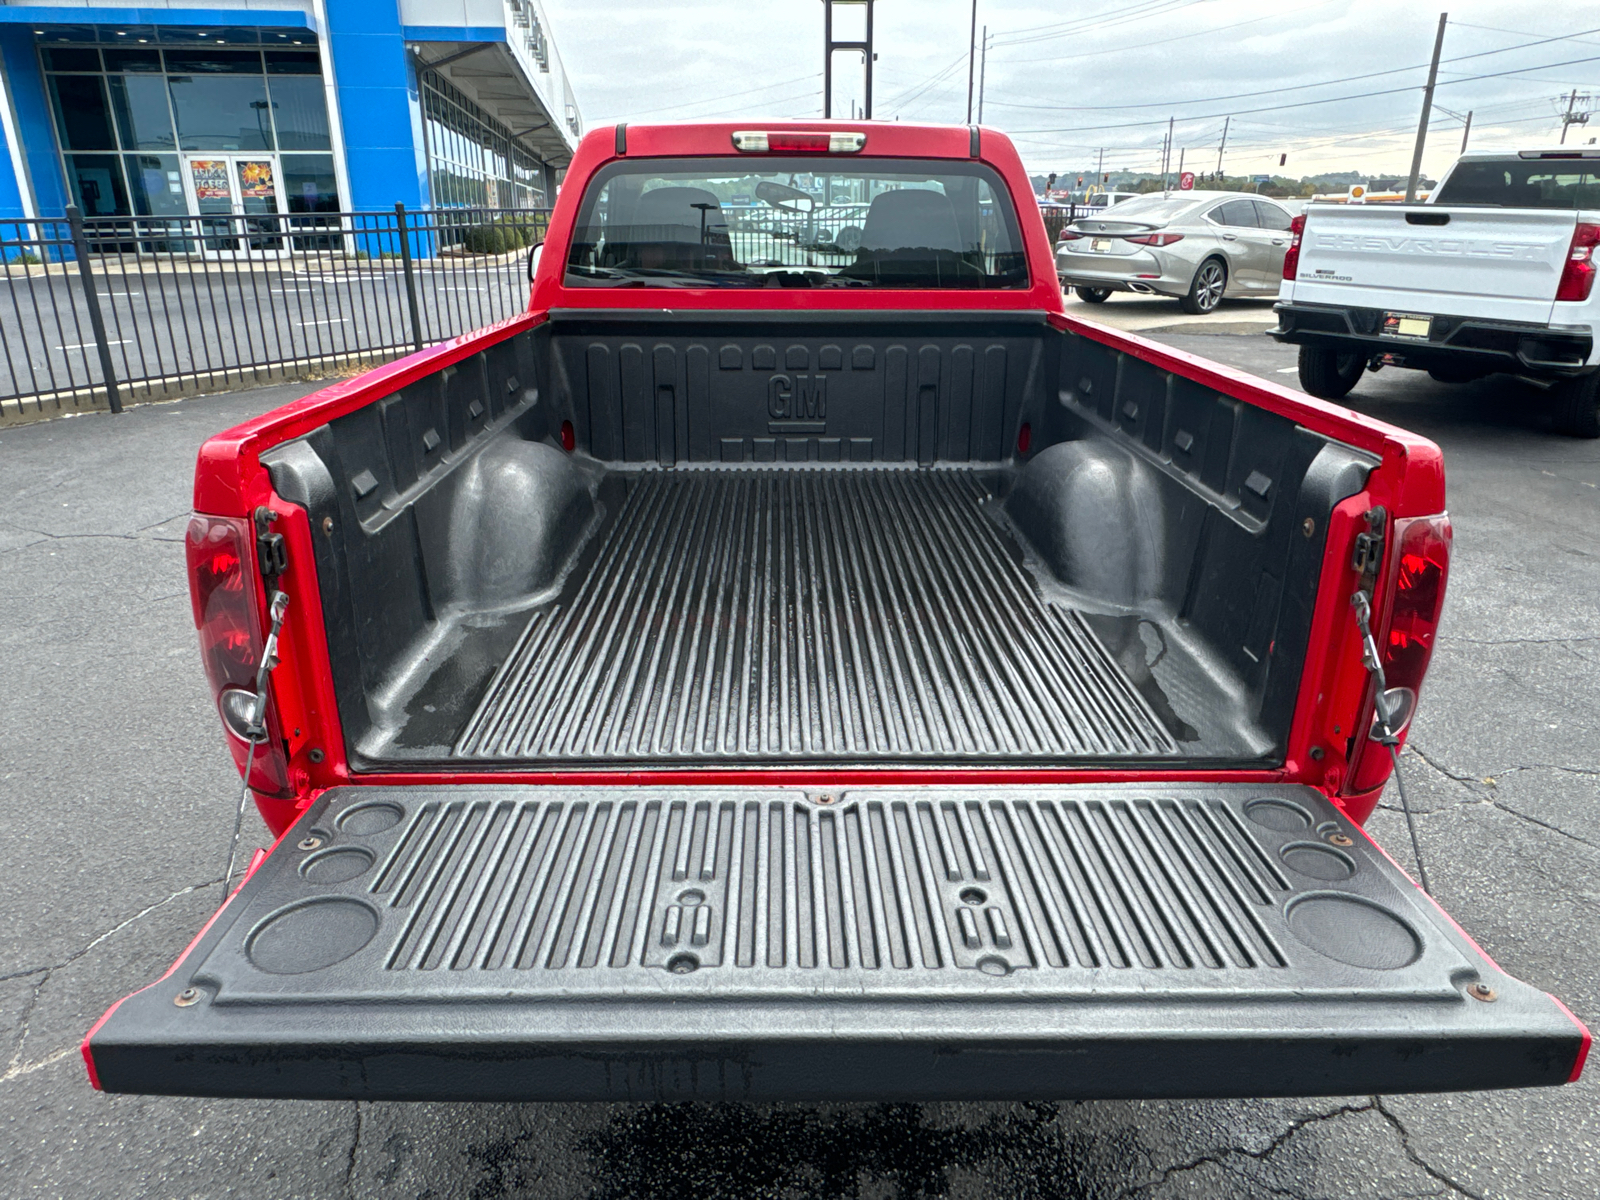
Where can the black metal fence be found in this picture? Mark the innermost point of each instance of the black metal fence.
(95, 313)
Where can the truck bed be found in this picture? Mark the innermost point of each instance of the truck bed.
(813, 614)
(990, 543)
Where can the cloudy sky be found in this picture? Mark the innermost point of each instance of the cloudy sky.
(1334, 84)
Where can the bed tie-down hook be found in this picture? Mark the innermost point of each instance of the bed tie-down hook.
(1387, 710)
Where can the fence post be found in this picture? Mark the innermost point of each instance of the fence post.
(411, 279)
(80, 247)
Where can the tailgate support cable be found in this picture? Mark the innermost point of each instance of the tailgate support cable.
(1383, 732)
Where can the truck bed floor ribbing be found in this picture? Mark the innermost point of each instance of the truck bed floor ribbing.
(874, 614)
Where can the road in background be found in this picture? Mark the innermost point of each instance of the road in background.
(116, 802)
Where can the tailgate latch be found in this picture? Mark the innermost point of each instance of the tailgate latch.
(1367, 556)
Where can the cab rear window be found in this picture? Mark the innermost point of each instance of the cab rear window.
(797, 222)
(1522, 183)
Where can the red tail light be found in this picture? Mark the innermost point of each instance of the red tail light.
(221, 586)
(1291, 258)
(1417, 587)
(1155, 239)
(1068, 235)
(1577, 276)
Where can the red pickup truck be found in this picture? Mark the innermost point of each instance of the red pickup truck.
(767, 669)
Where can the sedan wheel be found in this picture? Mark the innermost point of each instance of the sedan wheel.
(1205, 293)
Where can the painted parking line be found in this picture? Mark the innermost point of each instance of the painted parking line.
(1287, 370)
(91, 345)
(329, 321)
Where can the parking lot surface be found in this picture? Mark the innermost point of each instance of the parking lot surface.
(116, 802)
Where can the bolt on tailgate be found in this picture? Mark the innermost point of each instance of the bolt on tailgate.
(553, 943)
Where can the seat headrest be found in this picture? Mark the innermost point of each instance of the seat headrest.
(669, 214)
(911, 218)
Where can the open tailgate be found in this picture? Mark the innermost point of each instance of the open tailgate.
(527, 943)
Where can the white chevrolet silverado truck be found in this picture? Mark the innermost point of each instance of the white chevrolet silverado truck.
(1495, 272)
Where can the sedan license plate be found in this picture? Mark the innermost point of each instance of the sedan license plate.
(1406, 325)
(1100, 245)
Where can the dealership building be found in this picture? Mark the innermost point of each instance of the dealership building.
(274, 106)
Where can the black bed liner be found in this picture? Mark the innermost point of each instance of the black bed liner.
(857, 614)
(527, 943)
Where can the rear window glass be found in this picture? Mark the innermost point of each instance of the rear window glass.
(1155, 207)
(1523, 183)
(797, 222)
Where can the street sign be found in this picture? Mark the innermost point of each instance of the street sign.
(1262, 178)
(1186, 181)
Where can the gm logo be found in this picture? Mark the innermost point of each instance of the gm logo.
(805, 397)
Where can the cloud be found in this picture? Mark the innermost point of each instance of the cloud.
(1067, 82)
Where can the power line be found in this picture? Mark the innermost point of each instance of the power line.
(1298, 87)
(1324, 100)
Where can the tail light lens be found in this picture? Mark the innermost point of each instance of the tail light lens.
(1155, 239)
(1291, 258)
(221, 586)
(1068, 235)
(1577, 275)
(1417, 591)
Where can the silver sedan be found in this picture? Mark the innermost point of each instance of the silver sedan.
(1194, 246)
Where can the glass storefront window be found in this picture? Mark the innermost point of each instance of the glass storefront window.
(309, 185)
(97, 185)
(147, 110)
(156, 184)
(143, 118)
(82, 114)
(300, 112)
(472, 159)
(221, 112)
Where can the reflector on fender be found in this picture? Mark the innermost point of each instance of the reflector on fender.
(756, 141)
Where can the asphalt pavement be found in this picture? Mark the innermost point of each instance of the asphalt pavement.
(116, 801)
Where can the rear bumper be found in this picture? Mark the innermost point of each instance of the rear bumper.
(1513, 346)
(1144, 271)
(516, 943)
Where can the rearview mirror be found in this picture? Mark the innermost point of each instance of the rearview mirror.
(781, 196)
(534, 256)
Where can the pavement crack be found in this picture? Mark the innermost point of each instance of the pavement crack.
(1486, 791)
(1417, 1159)
(16, 1066)
(138, 916)
(1227, 1157)
(350, 1164)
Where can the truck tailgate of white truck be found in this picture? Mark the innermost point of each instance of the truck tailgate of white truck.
(1494, 263)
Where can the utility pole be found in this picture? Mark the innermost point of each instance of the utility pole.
(1427, 105)
(1166, 154)
(1467, 132)
(1574, 118)
(972, 57)
(864, 48)
(1100, 167)
(1224, 145)
(983, 69)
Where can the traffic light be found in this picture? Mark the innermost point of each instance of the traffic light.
(1080, 180)
(1051, 182)
(1105, 179)
(1282, 159)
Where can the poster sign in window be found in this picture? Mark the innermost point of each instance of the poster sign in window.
(255, 180)
(210, 178)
